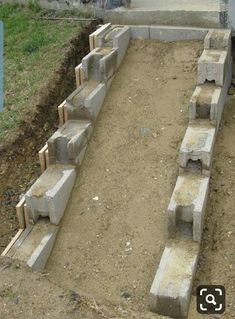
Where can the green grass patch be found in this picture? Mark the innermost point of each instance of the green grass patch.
(33, 48)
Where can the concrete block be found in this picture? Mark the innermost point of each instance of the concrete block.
(208, 100)
(165, 33)
(140, 32)
(213, 66)
(206, 103)
(34, 244)
(49, 195)
(218, 40)
(116, 37)
(66, 144)
(100, 64)
(98, 32)
(170, 292)
(196, 150)
(187, 206)
(86, 101)
(40, 255)
(121, 41)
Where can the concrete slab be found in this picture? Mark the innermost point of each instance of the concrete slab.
(187, 206)
(34, 246)
(140, 32)
(171, 33)
(170, 292)
(203, 13)
(196, 150)
(66, 144)
(213, 66)
(49, 195)
(86, 101)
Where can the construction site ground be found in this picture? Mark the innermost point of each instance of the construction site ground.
(113, 232)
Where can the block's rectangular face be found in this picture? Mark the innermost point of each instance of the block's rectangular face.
(1, 66)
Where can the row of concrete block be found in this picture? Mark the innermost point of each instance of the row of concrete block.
(170, 293)
(43, 206)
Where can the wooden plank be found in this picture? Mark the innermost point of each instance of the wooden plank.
(61, 113)
(47, 158)
(65, 113)
(14, 239)
(20, 213)
(82, 75)
(42, 159)
(77, 75)
(11, 252)
(91, 41)
(26, 215)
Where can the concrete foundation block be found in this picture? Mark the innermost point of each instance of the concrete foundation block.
(100, 64)
(86, 101)
(49, 195)
(116, 37)
(187, 206)
(170, 292)
(206, 103)
(208, 100)
(35, 244)
(213, 66)
(98, 32)
(218, 40)
(163, 33)
(66, 144)
(196, 150)
(140, 32)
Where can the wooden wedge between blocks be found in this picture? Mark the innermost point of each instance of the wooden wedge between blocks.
(63, 114)
(79, 74)
(44, 158)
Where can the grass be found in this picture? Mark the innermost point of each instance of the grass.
(33, 48)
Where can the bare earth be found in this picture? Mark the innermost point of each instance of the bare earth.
(113, 233)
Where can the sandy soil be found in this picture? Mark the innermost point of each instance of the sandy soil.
(113, 232)
(109, 247)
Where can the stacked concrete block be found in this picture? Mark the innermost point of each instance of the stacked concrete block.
(49, 195)
(86, 101)
(98, 32)
(213, 66)
(100, 64)
(218, 40)
(170, 292)
(171, 289)
(115, 37)
(187, 207)
(196, 150)
(67, 144)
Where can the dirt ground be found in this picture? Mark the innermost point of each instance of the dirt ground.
(113, 232)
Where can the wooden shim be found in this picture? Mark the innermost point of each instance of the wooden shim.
(20, 213)
(77, 75)
(42, 158)
(65, 113)
(26, 215)
(11, 252)
(47, 158)
(61, 113)
(14, 239)
(91, 41)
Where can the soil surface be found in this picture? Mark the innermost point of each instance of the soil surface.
(113, 233)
